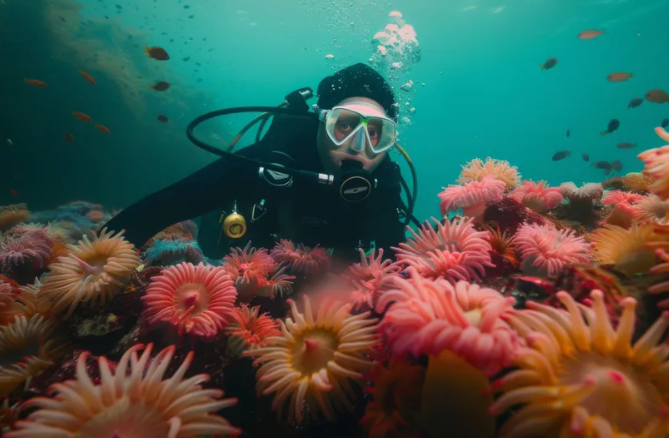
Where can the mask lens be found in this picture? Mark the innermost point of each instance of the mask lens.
(342, 124)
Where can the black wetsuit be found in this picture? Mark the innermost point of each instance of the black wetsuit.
(316, 214)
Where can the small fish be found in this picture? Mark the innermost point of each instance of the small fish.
(586, 157)
(163, 118)
(635, 102)
(665, 123)
(87, 76)
(161, 86)
(186, 58)
(81, 116)
(617, 165)
(69, 138)
(657, 96)
(589, 34)
(550, 63)
(619, 77)
(35, 82)
(561, 155)
(604, 165)
(613, 125)
(9, 142)
(157, 53)
(103, 129)
(626, 145)
(14, 193)
(568, 133)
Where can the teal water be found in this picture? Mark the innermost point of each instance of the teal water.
(484, 92)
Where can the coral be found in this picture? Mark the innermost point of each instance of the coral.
(656, 162)
(367, 277)
(315, 359)
(92, 272)
(581, 378)
(32, 248)
(396, 400)
(650, 209)
(429, 316)
(171, 252)
(454, 251)
(301, 259)
(134, 399)
(545, 250)
(248, 330)
(471, 197)
(625, 249)
(476, 170)
(195, 299)
(537, 196)
(11, 215)
(509, 215)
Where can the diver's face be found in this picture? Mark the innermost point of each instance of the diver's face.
(332, 155)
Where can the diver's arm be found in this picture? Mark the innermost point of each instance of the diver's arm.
(195, 195)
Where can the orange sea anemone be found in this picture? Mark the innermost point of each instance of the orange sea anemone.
(472, 197)
(27, 347)
(502, 244)
(454, 251)
(316, 358)
(537, 196)
(92, 272)
(580, 377)
(656, 162)
(248, 330)
(476, 170)
(16, 301)
(195, 299)
(430, 316)
(11, 215)
(131, 400)
(300, 258)
(625, 249)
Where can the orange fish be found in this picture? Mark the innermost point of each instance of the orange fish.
(619, 77)
(69, 138)
(14, 193)
(589, 34)
(657, 96)
(35, 82)
(88, 77)
(81, 116)
(103, 129)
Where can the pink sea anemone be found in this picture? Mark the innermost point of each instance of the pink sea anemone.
(545, 250)
(656, 162)
(367, 277)
(472, 197)
(249, 330)
(454, 251)
(16, 249)
(300, 258)
(650, 209)
(429, 316)
(538, 196)
(623, 207)
(195, 299)
(133, 399)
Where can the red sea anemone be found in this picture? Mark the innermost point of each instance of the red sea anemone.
(580, 377)
(472, 197)
(131, 400)
(248, 330)
(430, 316)
(538, 196)
(315, 359)
(454, 251)
(195, 299)
(301, 259)
(656, 162)
(545, 250)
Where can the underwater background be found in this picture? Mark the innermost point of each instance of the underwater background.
(478, 89)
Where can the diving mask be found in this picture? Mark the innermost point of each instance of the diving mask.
(361, 122)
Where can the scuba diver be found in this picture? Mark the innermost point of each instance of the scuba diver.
(321, 177)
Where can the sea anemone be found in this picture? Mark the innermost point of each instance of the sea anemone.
(537, 196)
(656, 163)
(27, 347)
(195, 299)
(430, 316)
(635, 182)
(476, 170)
(367, 277)
(92, 272)
(315, 359)
(248, 330)
(623, 207)
(301, 259)
(581, 199)
(545, 250)
(133, 399)
(16, 301)
(625, 249)
(650, 209)
(472, 197)
(454, 251)
(173, 251)
(580, 377)
(396, 400)
(502, 244)
(23, 249)
(11, 215)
